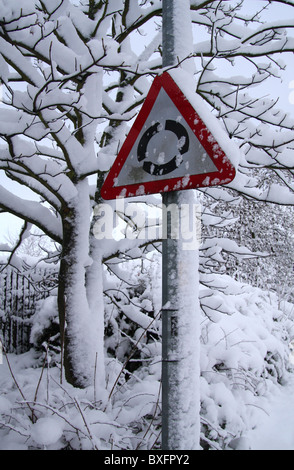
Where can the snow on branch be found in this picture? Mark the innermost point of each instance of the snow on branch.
(31, 211)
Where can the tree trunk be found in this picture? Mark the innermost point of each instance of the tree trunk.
(82, 330)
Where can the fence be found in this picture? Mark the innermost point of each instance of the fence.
(19, 293)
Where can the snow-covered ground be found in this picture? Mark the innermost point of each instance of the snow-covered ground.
(276, 429)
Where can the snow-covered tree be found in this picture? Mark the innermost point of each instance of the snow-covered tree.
(56, 58)
(74, 74)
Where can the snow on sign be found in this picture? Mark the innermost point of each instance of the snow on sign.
(168, 148)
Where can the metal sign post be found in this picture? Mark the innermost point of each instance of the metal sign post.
(171, 259)
(169, 266)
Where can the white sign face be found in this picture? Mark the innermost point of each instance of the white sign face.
(166, 147)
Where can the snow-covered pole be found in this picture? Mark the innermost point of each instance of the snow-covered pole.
(180, 298)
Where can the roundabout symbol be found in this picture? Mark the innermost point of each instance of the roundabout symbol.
(183, 147)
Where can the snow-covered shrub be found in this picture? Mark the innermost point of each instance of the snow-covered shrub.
(133, 313)
(244, 356)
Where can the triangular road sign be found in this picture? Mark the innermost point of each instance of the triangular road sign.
(168, 148)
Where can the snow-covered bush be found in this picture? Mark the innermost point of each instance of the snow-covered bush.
(244, 356)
